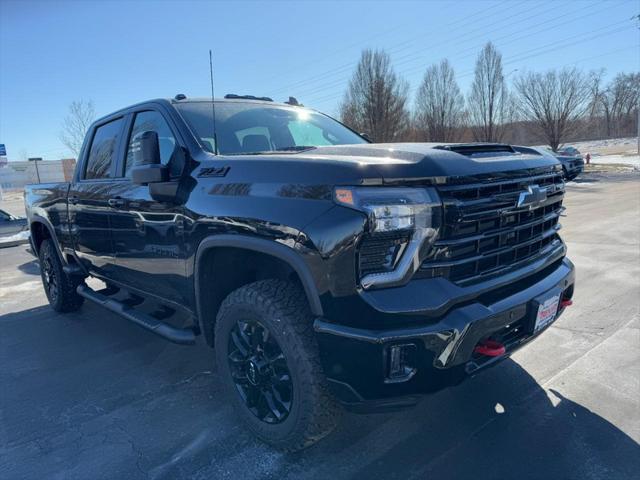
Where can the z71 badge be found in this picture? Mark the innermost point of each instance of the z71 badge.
(214, 172)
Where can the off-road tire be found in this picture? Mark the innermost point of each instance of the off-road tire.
(66, 299)
(281, 307)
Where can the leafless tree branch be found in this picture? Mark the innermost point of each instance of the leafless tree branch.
(554, 101)
(375, 101)
(488, 101)
(619, 102)
(439, 108)
(75, 125)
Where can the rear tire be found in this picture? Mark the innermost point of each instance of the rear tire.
(59, 287)
(277, 311)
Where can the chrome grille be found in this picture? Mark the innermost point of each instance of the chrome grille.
(485, 232)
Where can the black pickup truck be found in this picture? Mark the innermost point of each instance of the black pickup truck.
(326, 271)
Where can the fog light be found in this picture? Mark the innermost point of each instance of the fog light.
(400, 363)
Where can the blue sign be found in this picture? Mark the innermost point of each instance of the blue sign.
(3, 150)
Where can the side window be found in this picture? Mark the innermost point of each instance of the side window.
(154, 122)
(103, 150)
(306, 133)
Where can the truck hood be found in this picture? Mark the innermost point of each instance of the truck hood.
(365, 164)
(410, 162)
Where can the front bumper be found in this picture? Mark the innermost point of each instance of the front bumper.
(575, 168)
(355, 360)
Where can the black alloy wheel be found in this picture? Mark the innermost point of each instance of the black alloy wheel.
(49, 279)
(259, 370)
(59, 287)
(269, 363)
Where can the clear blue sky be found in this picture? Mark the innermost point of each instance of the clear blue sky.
(118, 53)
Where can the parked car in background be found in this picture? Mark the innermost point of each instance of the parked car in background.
(13, 230)
(569, 151)
(572, 162)
(570, 158)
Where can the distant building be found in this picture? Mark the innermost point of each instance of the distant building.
(15, 175)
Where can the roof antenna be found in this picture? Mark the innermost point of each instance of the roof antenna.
(213, 106)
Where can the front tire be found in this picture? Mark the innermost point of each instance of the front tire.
(268, 360)
(59, 287)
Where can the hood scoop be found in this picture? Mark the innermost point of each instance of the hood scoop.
(479, 150)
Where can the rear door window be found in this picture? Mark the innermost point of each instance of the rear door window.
(103, 152)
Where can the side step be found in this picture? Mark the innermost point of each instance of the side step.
(183, 336)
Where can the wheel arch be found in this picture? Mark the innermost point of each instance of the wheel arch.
(283, 260)
(39, 230)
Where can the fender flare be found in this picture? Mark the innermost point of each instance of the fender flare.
(52, 234)
(269, 247)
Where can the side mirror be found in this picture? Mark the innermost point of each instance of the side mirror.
(148, 168)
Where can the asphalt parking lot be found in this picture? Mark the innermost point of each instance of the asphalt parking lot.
(88, 395)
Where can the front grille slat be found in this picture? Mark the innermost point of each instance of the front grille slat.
(549, 233)
(494, 210)
(457, 241)
(484, 233)
(510, 182)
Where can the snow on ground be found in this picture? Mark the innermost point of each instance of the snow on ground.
(608, 146)
(622, 151)
(16, 239)
(633, 160)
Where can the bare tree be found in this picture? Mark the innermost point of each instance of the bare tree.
(554, 101)
(619, 102)
(75, 125)
(488, 102)
(439, 105)
(375, 102)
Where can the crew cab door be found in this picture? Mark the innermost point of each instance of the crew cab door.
(89, 194)
(148, 234)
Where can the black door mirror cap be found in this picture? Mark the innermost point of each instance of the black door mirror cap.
(147, 148)
(152, 173)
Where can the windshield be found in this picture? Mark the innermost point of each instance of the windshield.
(245, 127)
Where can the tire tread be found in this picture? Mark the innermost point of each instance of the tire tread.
(284, 300)
(68, 298)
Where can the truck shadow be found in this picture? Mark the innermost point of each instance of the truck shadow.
(499, 425)
(110, 397)
(30, 268)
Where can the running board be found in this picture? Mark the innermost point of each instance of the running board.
(183, 336)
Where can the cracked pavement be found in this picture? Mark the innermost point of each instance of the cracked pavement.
(88, 395)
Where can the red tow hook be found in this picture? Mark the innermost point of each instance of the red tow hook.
(566, 302)
(490, 348)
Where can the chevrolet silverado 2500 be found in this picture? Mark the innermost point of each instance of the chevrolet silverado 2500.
(326, 271)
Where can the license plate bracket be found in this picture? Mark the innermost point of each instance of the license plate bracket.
(546, 310)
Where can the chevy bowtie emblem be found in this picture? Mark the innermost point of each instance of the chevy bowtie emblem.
(533, 197)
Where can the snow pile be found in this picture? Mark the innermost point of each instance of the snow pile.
(22, 237)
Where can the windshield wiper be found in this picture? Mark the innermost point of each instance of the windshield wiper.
(295, 148)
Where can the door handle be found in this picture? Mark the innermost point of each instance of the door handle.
(116, 202)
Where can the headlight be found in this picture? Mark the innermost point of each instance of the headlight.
(402, 225)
